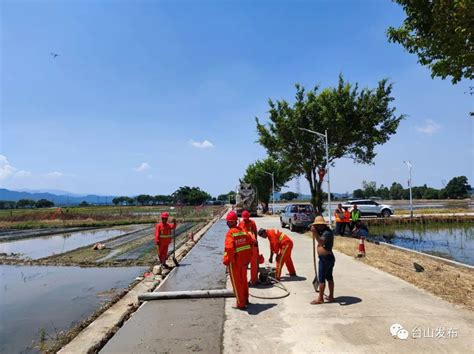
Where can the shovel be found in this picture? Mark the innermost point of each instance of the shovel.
(315, 280)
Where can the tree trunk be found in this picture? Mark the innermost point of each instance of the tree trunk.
(316, 192)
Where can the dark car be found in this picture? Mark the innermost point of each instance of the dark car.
(297, 216)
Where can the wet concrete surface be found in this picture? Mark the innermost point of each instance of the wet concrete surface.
(179, 326)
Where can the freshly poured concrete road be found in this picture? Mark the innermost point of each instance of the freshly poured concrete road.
(181, 326)
(368, 302)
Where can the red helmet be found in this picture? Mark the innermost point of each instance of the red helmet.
(165, 215)
(231, 216)
(246, 215)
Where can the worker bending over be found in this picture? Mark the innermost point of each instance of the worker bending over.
(249, 226)
(281, 245)
(237, 256)
(163, 237)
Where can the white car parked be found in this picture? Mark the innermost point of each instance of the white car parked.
(371, 207)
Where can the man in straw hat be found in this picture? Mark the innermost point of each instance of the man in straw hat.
(325, 239)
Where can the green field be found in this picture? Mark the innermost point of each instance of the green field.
(100, 215)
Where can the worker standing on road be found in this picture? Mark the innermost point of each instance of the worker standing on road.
(237, 256)
(163, 237)
(325, 238)
(355, 217)
(346, 221)
(249, 226)
(281, 245)
(339, 216)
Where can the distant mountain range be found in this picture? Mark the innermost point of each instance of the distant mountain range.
(57, 197)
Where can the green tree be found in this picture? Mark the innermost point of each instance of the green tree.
(25, 203)
(431, 193)
(358, 194)
(396, 191)
(370, 188)
(84, 203)
(191, 195)
(383, 192)
(458, 187)
(162, 199)
(7, 204)
(44, 203)
(255, 175)
(356, 121)
(144, 199)
(440, 33)
(289, 196)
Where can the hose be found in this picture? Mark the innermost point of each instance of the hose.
(276, 284)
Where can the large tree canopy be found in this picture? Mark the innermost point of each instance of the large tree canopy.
(356, 121)
(255, 175)
(440, 32)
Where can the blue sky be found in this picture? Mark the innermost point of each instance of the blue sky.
(147, 96)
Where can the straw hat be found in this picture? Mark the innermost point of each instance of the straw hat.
(319, 220)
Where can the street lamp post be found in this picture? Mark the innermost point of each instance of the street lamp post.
(273, 190)
(326, 142)
(409, 165)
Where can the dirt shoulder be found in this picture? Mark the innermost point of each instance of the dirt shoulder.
(451, 283)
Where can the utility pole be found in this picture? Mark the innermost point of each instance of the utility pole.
(326, 142)
(273, 190)
(409, 165)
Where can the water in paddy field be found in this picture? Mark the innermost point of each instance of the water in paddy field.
(52, 299)
(446, 241)
(45, 246)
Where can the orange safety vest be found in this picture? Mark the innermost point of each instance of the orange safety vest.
(336, 215)
(347, 216)
(277, 239)
(238, 247)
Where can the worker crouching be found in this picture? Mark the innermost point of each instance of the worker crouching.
(281, 245)
(237, 256)
(163, 237)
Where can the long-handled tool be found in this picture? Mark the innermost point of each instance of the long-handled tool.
(315, 280)
(174, 248)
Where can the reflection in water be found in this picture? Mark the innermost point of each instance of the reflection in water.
(451, 242)
(51, 299)
(45, 246)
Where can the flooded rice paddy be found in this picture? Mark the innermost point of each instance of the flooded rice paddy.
(446, 241)
(38, 301)
(44, 246)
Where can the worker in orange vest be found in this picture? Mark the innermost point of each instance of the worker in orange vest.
(237, 256)
(346, 221)
(163, 237)
(281, 245)
(249, 226)
(339, 216)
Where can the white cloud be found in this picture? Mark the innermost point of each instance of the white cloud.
(144, 166)
(7, 170)
(429, 128)
(201, 145)
(23, 173)
(55, 174)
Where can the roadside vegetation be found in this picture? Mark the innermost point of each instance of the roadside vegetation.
(98, 216)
